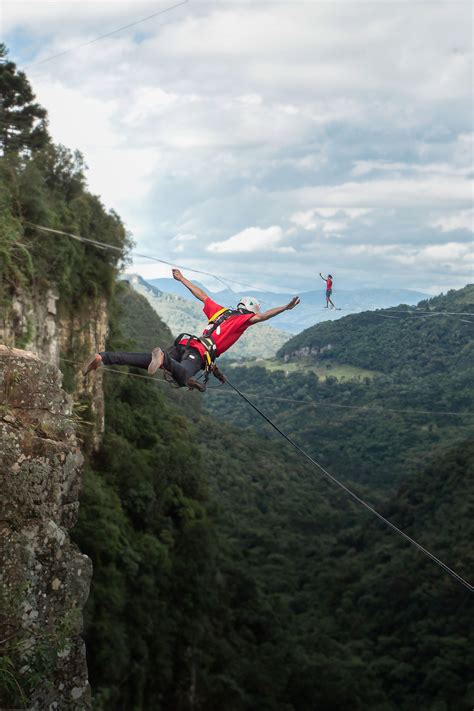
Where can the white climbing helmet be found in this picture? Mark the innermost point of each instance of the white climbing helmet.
(249, 303)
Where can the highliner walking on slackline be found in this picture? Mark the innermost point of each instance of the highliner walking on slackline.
(190, 353)
(328, 281)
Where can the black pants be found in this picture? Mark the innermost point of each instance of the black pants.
(182, 362)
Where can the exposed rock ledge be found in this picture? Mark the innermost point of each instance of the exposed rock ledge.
(44, 579)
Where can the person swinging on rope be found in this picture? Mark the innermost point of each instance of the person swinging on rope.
(190, 353)
(328, 281)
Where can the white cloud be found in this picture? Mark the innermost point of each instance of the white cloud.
(149, 102)
(372, 250)
(321, 218)
(118, 172)
(365, 167)
(252, 239)
(463, 220)
(334, 226)
(383, 193)
(180, 242)
(449, 255)
(184, 238)
(351, 118)
(149, 270)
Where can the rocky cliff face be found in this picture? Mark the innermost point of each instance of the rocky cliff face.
(63, 337)
(44, 579)
(307, 352)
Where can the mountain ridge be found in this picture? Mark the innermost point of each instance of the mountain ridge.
(356, 339)
(311, 310)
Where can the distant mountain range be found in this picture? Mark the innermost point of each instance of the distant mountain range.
(311, 309)
(184, 315)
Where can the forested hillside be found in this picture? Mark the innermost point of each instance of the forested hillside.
(382, 430)
(228, 574)
(394, 340)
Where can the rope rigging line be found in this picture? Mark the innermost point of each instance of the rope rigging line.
(103, 245)
(354, 496)
(219, 391)
(416, 313)
(366, 408)
(329, 476)
(108, 34)
(113, 370)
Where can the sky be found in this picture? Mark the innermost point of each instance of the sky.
(269, 141)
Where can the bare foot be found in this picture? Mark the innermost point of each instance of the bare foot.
(157, 358)
(92, 363)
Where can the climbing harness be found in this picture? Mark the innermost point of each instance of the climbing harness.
(206, 340)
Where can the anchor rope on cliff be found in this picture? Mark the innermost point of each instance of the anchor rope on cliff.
(376, 409)
(104, 245)
(414, 313)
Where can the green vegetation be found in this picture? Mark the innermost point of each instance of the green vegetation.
(228, 574)
(267, 588)
(387, 427)
(412, 344)
(41, 183)
(23, 123)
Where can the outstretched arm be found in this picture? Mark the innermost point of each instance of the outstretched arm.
(195, 290)
(274, 312)
(323, 278)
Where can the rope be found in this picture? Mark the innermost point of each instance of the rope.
(366, 408)
(424, 313)
(355, 497)
(109, 34)
(329, 476)
(103, 245)
(112, 370)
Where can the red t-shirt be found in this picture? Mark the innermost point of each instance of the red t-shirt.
(226, 334)
(328, 283)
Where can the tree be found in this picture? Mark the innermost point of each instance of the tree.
(23, 122)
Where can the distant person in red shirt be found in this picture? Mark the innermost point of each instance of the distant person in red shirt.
(190, 354)
(328, 281)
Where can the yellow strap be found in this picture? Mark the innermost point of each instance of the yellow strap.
(218, 313)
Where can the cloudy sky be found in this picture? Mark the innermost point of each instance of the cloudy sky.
(269, 141)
